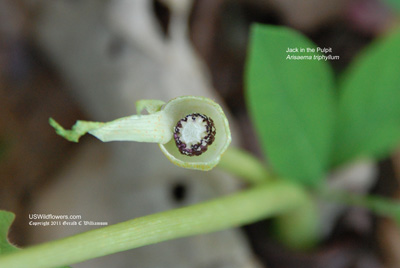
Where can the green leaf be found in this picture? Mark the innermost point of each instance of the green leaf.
(395, 4)
(369, 105)
(6, 218)
(379, 205)
(383, 206)
(291, 103)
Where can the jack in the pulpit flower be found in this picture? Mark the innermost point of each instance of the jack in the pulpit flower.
(192, 132)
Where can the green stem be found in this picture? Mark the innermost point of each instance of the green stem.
(226, 212)
(298, 229)
(244, 165)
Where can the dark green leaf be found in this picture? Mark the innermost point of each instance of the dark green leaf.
(379, 205)
(394, 4)
(291, 103)
(383, 206)
(369, 105)
(6, 218)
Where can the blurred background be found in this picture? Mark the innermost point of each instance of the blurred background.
(87, 59)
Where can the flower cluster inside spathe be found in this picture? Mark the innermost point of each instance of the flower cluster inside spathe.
(192, 132)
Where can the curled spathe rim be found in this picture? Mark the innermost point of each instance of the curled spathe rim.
(178, 109)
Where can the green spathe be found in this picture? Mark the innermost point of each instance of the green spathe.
(158, 127)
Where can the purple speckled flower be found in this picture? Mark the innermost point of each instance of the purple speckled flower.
(194, 133)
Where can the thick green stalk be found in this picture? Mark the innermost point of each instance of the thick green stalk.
(226, 212)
